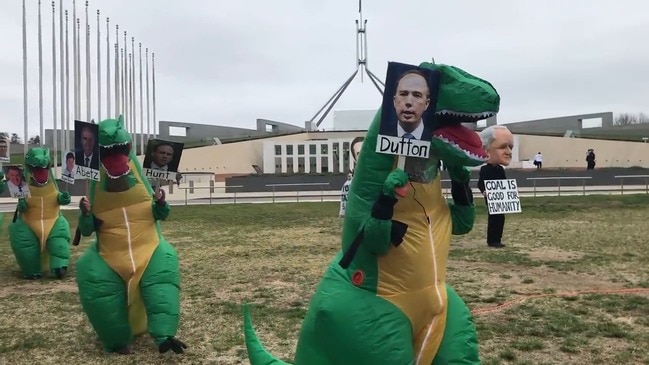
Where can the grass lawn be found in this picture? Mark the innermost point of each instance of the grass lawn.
(274, 255)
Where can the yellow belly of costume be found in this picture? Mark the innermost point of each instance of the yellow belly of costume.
(42, 212)
(413, 275)
(127, 239)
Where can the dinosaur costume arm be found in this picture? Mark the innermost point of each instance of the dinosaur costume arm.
(64, 198)
(161, 208)
(462, 208)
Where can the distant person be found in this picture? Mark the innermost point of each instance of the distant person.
(538, 161)
(69, 165)
(161, 156)
(4, 149)
(590, 159)
(411, 99)
(498, 141)
(88, 156)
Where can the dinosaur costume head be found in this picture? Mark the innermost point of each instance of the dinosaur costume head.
(37, 166)
(115, 147)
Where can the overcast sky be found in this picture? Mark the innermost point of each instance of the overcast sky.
(231, 62)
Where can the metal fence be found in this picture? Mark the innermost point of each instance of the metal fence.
(279, 193)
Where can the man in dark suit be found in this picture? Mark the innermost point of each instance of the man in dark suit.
(88, 156)
(411, 99)
(498, 141)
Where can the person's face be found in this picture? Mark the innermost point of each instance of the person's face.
(411, 101)
(4, 148)
(70, 163)
(500, 149)
(163, 155)
(357, 150)
(14, 177)
(87, 141)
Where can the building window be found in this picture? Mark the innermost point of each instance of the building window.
(300, 149)
(300, 164)
(278, 165)
(289, 149)
(312, 164)
(278, 150)
(324, 161)
(312, 149)
(324, 148)
(336, 157)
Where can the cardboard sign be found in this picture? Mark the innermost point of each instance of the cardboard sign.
(68, 167)
(502, 196)
(5, 147)
(162, 159)
(16, 182)
(407, 111)
(344, 193)
(86, 155)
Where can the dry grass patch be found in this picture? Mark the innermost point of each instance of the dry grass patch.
(273, 255)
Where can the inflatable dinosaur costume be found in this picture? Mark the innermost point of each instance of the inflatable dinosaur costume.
(40, 234)
(128, 279)
(390, 303)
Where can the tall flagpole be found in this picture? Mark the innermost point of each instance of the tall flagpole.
(75, 66)
(26, 122)
(117, 73)
(54, 113)
(122, 98)
(98, 69)
(65, 141)
(141, 108)
(148, 117)
(155, 121)
(78, 57)
(62, 75)
(88, 111)
(40, 74)
(124, 73)
(133, 98)
(108, 96)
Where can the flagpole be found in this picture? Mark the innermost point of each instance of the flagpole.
(54, 113)
(40, 74)
(124, 76)
(141, 108)
(130, 101)
(75, 91)
(133, 98)
(62, 71)
(153, 84)
(88, 111)
(78, 58)
(117, 73)
(148, 118)
(65, 137)
(26, 121)
(121, 83)
(108, 96)
(98, 69)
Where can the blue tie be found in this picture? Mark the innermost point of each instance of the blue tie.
(408, 136)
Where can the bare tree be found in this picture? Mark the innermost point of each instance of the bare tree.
(35, 140)
(15, 138)
(628, 119)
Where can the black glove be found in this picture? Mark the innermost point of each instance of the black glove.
(173, 344)
(383, 208)
(461, 193)
(398, 231)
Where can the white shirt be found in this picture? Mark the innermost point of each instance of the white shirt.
(417, 132)
(156, 167)
(538, 157)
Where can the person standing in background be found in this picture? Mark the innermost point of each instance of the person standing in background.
(590, 159)
(538, 161)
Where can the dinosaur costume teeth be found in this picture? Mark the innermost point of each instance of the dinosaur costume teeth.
(128, 279)
(391, 305)
(40, 234)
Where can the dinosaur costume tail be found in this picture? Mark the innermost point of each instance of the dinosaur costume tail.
(256, 351)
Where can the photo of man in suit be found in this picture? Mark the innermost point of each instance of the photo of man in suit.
(88, 154)
(69, 168)
(16, 183)
(411, 100)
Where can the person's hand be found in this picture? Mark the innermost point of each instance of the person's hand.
(159, 195)
(84, 205)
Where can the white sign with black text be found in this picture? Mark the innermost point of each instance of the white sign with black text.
(502, 196)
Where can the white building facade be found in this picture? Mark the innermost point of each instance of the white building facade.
(308, 157)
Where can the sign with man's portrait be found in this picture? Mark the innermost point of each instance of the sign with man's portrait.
(162, 159)
(407, 110)
(68, 171)
(16, 182)
(5, 145)
(86, 154)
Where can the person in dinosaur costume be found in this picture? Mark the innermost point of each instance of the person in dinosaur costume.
(128, 279)
(40, 234)
(390, 303)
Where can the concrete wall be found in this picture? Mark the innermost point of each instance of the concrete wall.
(206, 132)
(571, 152)
(560, 124)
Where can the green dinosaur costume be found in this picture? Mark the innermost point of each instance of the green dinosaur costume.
(40, 234)
(384, 297)
(128, 279)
